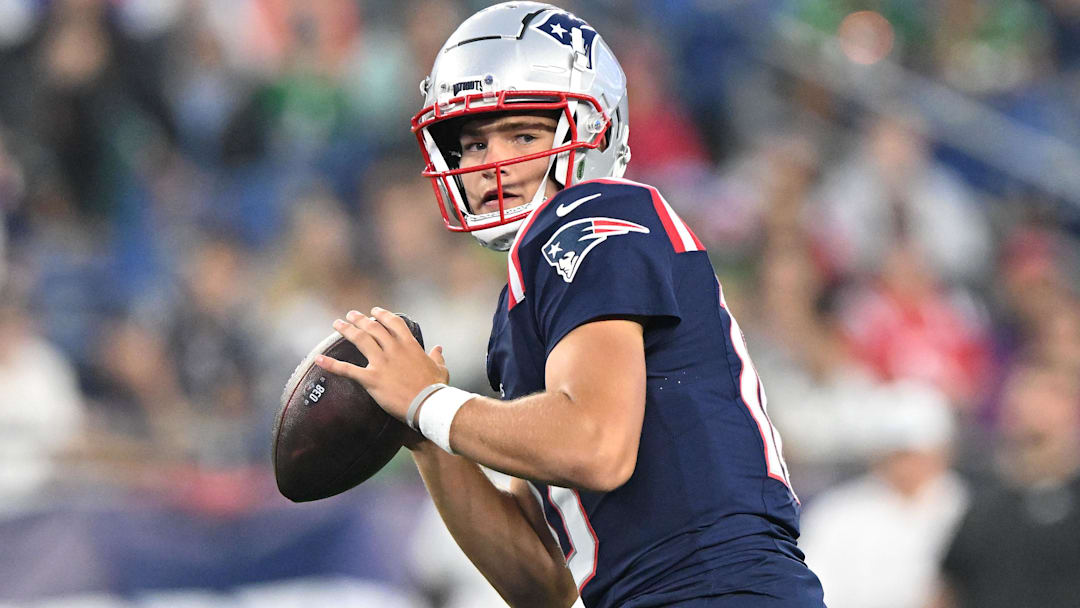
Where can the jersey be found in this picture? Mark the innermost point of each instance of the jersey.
(709, 509)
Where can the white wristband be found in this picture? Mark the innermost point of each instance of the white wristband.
(414, 405)
(438, 413)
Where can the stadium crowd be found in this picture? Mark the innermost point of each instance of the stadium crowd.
(886, 188)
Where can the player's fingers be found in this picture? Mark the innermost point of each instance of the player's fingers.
(361, 339)
(371, 326)
(341, 368)
(393, 323)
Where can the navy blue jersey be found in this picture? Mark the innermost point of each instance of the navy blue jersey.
(709, 509)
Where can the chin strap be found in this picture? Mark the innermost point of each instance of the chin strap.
(541, 192)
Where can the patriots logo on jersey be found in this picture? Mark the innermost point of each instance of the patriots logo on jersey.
(566, 249)
(561, 25)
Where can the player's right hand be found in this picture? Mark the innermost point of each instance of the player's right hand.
(397, 369)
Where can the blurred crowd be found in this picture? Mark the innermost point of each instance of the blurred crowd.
(191, 191)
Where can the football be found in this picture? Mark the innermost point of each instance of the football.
(329, 434)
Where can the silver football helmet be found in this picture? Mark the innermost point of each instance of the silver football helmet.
(522, 56)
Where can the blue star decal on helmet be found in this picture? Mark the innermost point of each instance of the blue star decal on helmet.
(567, 248)
(561, 26)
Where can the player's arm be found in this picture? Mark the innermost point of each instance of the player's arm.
(503, 533)
(581, 432)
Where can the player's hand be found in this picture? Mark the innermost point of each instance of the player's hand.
(398, 368)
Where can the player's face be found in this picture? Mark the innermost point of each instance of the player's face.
(488, 140)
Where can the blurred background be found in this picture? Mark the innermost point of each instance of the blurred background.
(191, 191)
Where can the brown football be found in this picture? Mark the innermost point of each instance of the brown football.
(329, 434)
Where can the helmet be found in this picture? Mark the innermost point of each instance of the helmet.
(522, 56)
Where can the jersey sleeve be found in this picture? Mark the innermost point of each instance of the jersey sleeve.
(607, 259)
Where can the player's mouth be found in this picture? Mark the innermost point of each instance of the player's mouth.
(490, 202)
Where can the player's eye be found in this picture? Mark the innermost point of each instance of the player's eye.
(526, 138)
(473, 146)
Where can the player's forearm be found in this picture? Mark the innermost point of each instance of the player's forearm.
(493, 530)
(544, 437)
(582, 432)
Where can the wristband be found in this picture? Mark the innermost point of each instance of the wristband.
(410, 416)
(439, 411)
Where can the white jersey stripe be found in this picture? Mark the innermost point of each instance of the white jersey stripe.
(517, 292)
(680, 226)
(753, 394)
(581, 560)
(685, 236)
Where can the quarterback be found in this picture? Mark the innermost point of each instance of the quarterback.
(647, 471)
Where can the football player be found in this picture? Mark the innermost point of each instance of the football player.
(647, 470)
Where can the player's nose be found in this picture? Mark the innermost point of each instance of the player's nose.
(496, 152)
(499, 149)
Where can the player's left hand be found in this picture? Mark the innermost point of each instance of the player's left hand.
(398, 368)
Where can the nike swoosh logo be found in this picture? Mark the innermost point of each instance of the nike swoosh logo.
(567, 208)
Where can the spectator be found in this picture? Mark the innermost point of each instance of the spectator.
(875, 540)
(41, 409)
(1019, 542)
(907, 325)
(11, 191)
(383, 71)
(312, 276)
(1039, 285)
(991, 46)
(3, 246)
(665, 140)
(757, 198)
(143, 411)
(1037, 309)
(890, 189)
(210, 337)
(309, 276)
(814, 382)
